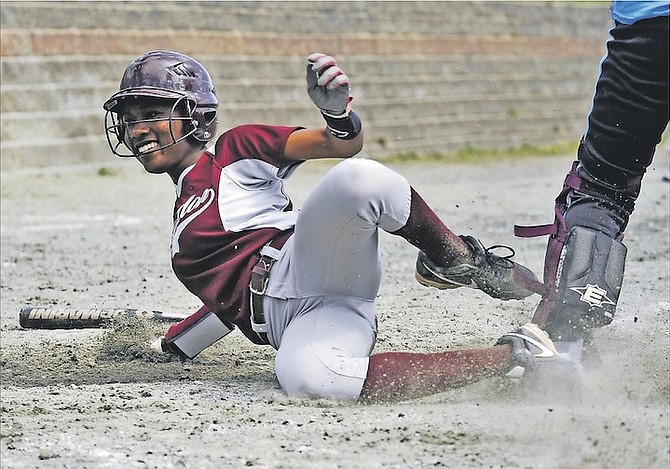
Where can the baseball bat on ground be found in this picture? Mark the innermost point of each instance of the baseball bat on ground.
(71, 318)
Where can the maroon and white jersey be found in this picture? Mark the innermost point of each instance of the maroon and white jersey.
(229, 205)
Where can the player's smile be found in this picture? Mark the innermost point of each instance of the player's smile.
(154, 133)
(146, 147)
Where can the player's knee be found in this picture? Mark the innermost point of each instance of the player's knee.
(365, 180)
(310, 374)
(373, 192)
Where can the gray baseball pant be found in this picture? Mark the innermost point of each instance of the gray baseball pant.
(319, 304)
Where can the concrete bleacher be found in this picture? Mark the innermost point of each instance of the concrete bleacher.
(427, 76)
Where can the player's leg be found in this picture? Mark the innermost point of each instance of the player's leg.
(324, 349)
(320, 300)
(398, 375)
(335, 247)
(324, 353)
(585, 256)
(449, 261)
(354, 199)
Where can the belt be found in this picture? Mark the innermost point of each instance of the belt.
(257, 286)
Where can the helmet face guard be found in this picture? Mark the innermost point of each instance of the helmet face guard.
(116, 126)
(171, 76)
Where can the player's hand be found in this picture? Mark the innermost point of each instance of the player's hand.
(327, 84)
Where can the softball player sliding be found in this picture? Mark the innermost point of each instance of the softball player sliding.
(302, 281)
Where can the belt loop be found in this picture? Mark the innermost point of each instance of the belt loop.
(257, 286)
(271, 252)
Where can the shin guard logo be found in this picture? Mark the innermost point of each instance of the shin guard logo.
(593, 295)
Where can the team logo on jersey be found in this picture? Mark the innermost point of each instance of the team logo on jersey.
(593, 295)
(189, 210)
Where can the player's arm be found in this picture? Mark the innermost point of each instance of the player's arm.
(309, 144)
(328, 87)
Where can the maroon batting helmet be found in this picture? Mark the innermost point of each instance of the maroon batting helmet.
(166, 75)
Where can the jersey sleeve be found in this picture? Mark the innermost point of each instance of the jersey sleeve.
(260, 142)
(628, 12)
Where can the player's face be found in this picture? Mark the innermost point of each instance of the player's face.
(152, 132)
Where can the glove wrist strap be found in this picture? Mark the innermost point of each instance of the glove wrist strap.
(346, 126)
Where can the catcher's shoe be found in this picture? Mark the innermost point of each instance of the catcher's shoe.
(490, 273)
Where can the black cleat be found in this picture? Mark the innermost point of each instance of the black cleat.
(490, 273)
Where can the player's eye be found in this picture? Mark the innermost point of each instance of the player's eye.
(144, 117)
(152, 114)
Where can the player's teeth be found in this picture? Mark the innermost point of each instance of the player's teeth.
(147, 147)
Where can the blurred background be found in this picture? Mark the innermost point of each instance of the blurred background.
(429, 79)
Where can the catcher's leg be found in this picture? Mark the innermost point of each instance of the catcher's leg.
(588, 286)
(585, 259)
(584, 262)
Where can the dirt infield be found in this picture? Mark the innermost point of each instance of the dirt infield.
(102, 399)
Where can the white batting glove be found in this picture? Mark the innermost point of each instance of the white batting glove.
(327, 84)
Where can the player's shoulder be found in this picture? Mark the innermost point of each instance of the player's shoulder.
(257, 131)
(252, 141)
(240, 134)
